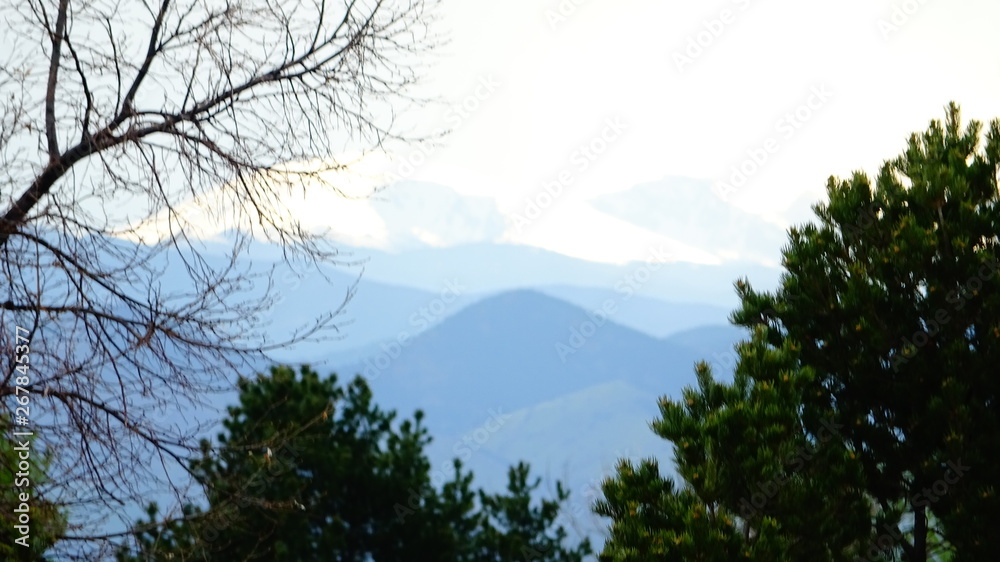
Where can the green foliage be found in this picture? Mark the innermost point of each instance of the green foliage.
(511, 530)
(307, 470)
(886, 329)
(47, 521)
(748, 467)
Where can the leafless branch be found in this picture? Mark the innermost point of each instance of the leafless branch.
(116, 117)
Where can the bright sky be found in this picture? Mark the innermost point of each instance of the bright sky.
(542, 79)
(593, 97)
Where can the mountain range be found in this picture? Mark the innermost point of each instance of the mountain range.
(522, 375)
(515, 352)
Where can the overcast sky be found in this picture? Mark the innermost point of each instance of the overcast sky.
(594, 97)
(821, 87)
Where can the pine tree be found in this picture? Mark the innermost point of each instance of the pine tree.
(511, 530)
(756, 485)
(307, 470)
(886, 325)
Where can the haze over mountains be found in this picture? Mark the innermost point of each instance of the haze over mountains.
(522, 375)
(677, 217)
(515, 352)
(418, 241)
(570, 355)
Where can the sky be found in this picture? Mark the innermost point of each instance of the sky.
(554, 103)
(691, 89)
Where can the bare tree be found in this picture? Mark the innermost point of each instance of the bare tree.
(113, 114)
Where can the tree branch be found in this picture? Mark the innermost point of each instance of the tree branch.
(50, 92)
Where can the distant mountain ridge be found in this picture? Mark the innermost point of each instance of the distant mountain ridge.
(651, 316)
(574, 371)
(473, 331)
(522, 375)
(493, 268)
(392, 288)
(513, 350)
(498, 386)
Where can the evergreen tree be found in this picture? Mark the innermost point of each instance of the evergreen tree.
(307, 470)
(511, 530)
(885, 327)
(757, 485)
